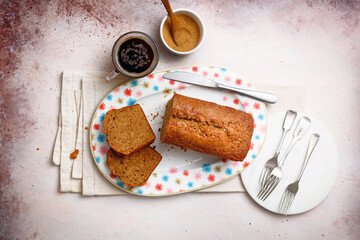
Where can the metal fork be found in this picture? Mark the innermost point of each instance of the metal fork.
(292, 189)
(276, 173)
(273, 162)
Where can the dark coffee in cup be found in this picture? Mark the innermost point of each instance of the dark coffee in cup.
(135, 55)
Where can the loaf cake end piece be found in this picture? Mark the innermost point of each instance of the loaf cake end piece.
(134, 169)
(127, 129)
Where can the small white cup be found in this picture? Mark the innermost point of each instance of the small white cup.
(196, 18)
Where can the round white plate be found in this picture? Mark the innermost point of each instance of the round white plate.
(318, 178)
(179, 170)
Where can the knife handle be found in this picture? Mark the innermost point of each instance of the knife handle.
(261, 96)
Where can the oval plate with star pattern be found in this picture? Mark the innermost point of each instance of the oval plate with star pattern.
(180, 170)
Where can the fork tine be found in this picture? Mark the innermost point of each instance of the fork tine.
(282, 201)
(269, 181)
(267, 176)
(264, 175)
(285, 203)
(261, 192)
(268, 191)
(290, 203)
(264, 189)
(271, 189)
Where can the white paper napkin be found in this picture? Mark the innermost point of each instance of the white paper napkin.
(57, 146)
(78, 162)
(81, 174)
(69, 120)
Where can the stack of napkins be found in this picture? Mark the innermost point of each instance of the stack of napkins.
(81, 93)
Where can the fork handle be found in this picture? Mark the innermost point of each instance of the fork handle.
(289, 120)
(281, 162)
(302, 126)
(312, 144)
(281, 141)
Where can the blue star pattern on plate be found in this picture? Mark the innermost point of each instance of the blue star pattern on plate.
(206, 167)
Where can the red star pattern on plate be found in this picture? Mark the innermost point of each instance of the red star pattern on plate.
(251, 146)
(102, 106)
(182, 86)
(263, 128)
(245, 164)
(103, 150)
(158, 187)
(235, 164)
(211, 178)
(138, 94)
(127, 92)
(173, 170)
(238, 81)
(160, 78)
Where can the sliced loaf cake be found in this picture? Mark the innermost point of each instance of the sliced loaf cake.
(127, 129)
(134, 169)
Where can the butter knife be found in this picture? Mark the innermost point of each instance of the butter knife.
(195, 79)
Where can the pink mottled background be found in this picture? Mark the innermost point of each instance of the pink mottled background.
(280, 42)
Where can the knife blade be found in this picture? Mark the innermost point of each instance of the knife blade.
(191, 78)
(195, 79)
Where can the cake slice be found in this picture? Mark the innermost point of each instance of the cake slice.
(134, 169)
(127, 129)
(207, 127)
